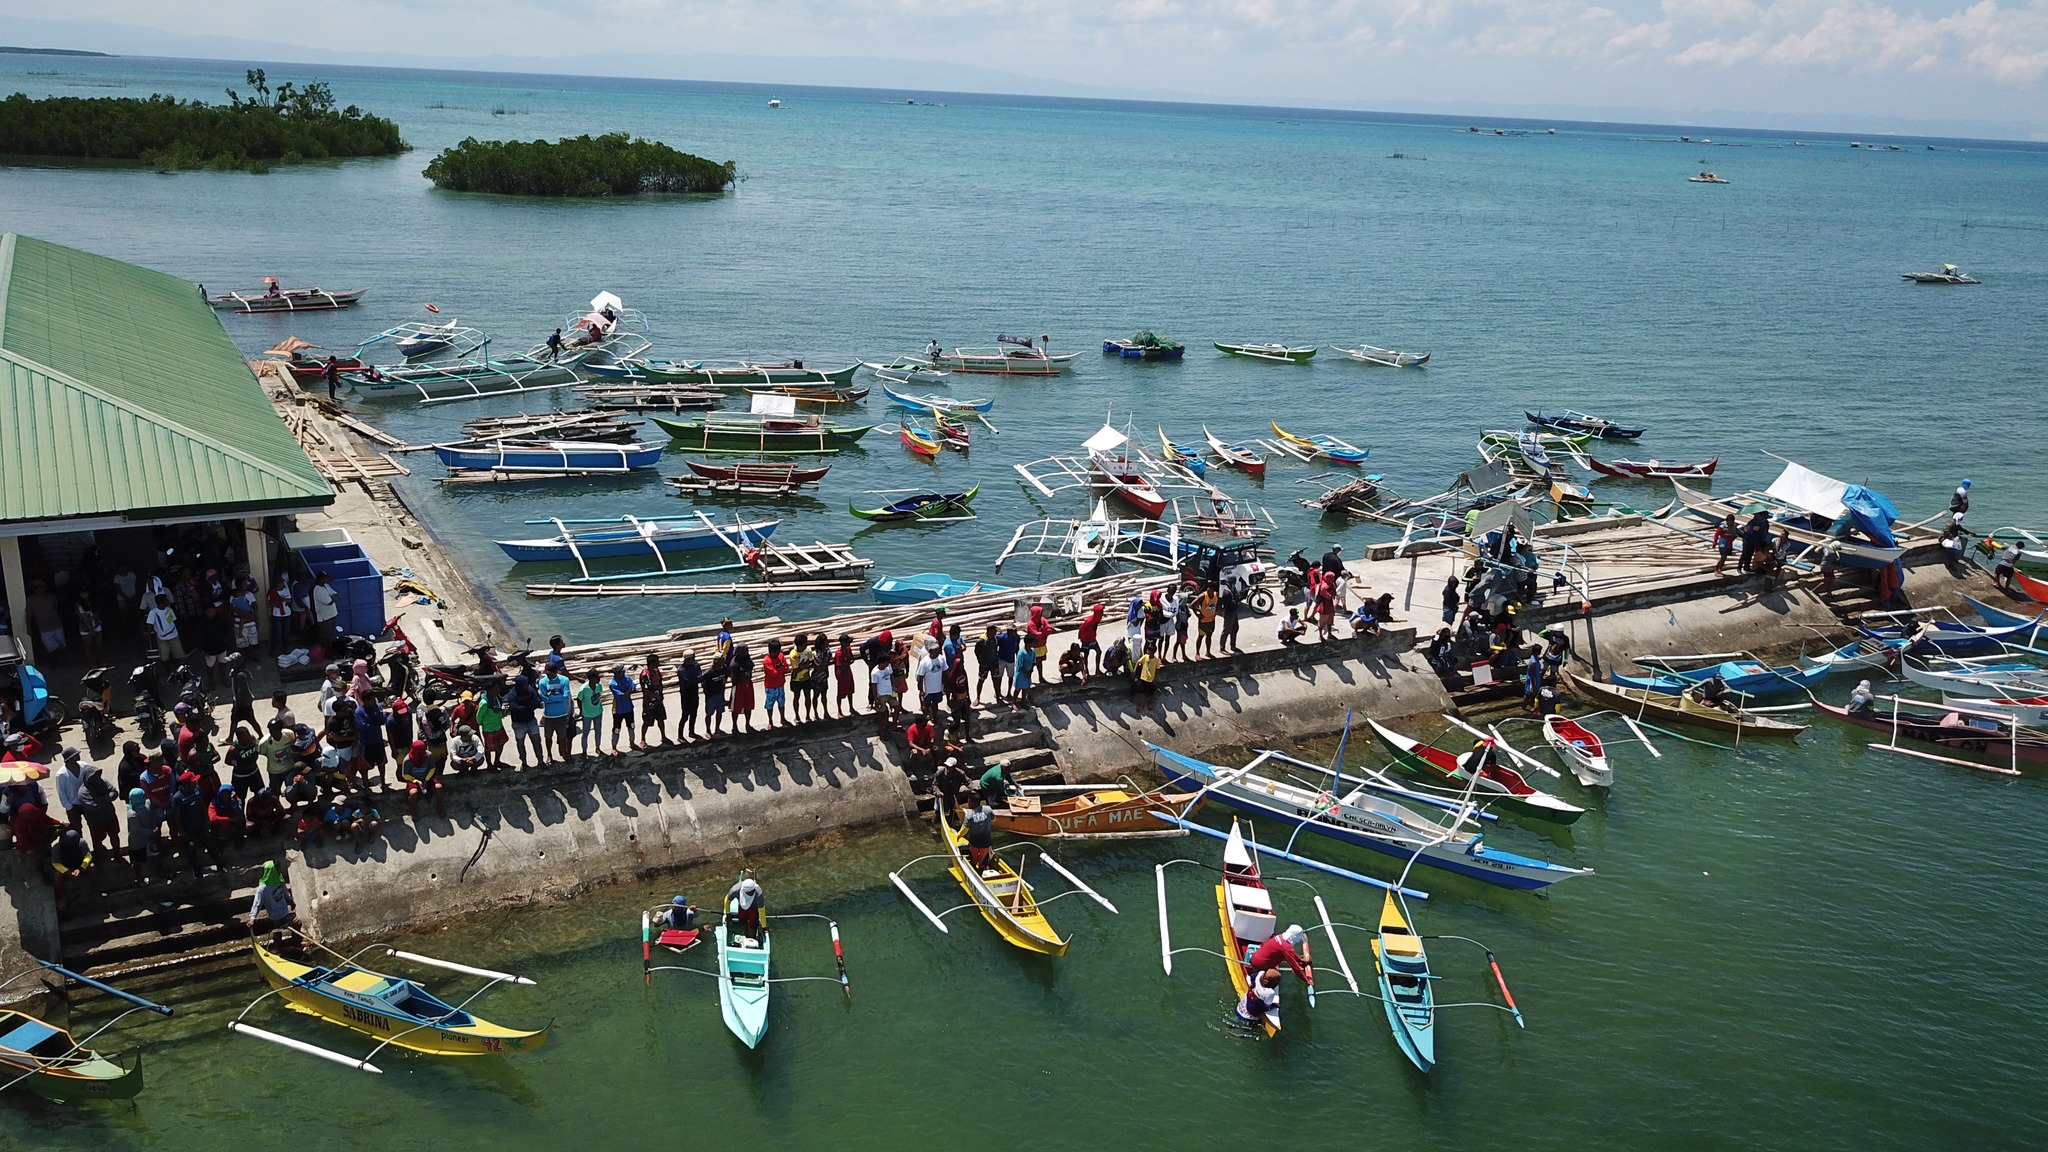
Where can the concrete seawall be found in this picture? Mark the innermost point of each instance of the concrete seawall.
(527, 837)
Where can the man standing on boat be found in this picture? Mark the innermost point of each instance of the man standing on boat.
(1959, 504)
(978, 828)
(554, 345)
(744, 902)
(331, 373)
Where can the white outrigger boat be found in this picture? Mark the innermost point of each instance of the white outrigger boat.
(1012, 356)
(607, 333)
(1365, 816)
(1385, 357)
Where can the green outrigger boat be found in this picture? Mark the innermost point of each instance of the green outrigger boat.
(726, 373)
(52, 1063)
(761, 434)
(1277, 353)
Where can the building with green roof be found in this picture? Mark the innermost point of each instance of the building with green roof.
(124, 404)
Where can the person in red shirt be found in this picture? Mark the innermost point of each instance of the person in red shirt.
(774, 682)
(1038, 633)
(1286, 948)
(923, 737)
(464, 714)
(1086, 634)
(33, 829)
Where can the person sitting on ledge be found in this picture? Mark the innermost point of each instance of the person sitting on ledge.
(1292, 627)
(1074, 664)
(1116, 661)
(923, 737)
(418, 774)
(1363, 621)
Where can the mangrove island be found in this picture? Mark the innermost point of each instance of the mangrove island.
(610, 165)
(288, 125)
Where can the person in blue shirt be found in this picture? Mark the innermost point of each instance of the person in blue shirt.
(557, 695)
(1027, 665)
(522, 700)
(1007, 644)
(621, 687)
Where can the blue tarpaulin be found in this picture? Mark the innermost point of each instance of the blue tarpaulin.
(35, 693)
(1870, 513)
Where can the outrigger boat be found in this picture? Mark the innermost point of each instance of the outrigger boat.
(609, 331)
(1093, 812)
(542, 456)
(306, 362)
(1495, 781)
(1978, 678)
(999, 891)
(1185, 455)
(1706, 178)
(925, 586)
(934, 507)
(1244, 459)
(1144, 346)
(1328, 447)
(744, 966)
(1402, 965)
(271, 298)
(933, 402)
(50, 1062)
(415, 340)
(1125, 476)
(819, 394)
(766, 433)
(1747, 677)
(1640, 703)
(1573, 423)
(726, 373)
(920, 440)
(394, 1010)
(1364, 817)
(1385, 357)
(1959, 728)
(1946, 274)
(1274, 353)
(1012, 356)
(1579, 749)
(1245, 913)
(1819, 510)
(910, 370)
(628, 536)
(1653, 469)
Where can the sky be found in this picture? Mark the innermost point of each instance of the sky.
(1972, 66)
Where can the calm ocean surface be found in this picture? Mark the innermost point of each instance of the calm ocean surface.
(1808, 947)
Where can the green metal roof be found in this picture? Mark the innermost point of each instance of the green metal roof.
(121, 395)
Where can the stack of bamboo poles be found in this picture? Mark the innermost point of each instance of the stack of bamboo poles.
(972, 612)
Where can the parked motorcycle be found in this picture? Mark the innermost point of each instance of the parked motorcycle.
(96, 709)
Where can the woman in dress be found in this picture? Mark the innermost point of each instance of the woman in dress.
(742, 672)
(842, 676)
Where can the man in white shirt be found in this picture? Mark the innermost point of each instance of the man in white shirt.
(931, 676)
(325, 609)
(163, 620)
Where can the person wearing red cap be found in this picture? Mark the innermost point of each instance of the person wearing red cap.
(419, 774)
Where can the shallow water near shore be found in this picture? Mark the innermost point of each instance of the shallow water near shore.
(1745, 970)
(1808, 946)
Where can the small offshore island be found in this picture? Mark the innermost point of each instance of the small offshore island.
(288, 125)
(614, 164)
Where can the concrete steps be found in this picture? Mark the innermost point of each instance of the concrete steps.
(138, 927)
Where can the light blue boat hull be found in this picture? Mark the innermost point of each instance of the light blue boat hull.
(926, 586)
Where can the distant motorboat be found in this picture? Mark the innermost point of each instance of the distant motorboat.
(1706, 178)
(1946, 274)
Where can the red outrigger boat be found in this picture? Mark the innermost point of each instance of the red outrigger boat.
(1654, 469)
(765, 472)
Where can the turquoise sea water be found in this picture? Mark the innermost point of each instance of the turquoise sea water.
(1787, 947)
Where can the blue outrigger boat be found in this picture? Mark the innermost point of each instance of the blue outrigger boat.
(542, 456)
(927, 586)
(1743, 676)
(626, 536)
(1365, 817)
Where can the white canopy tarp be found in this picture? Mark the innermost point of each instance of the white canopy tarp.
(1508, 513)
(1802, 487)
(1105, 440)
(774, 404)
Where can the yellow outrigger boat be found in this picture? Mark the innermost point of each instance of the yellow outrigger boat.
(1006, 900)
(394, 1010)
(1004, 897)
